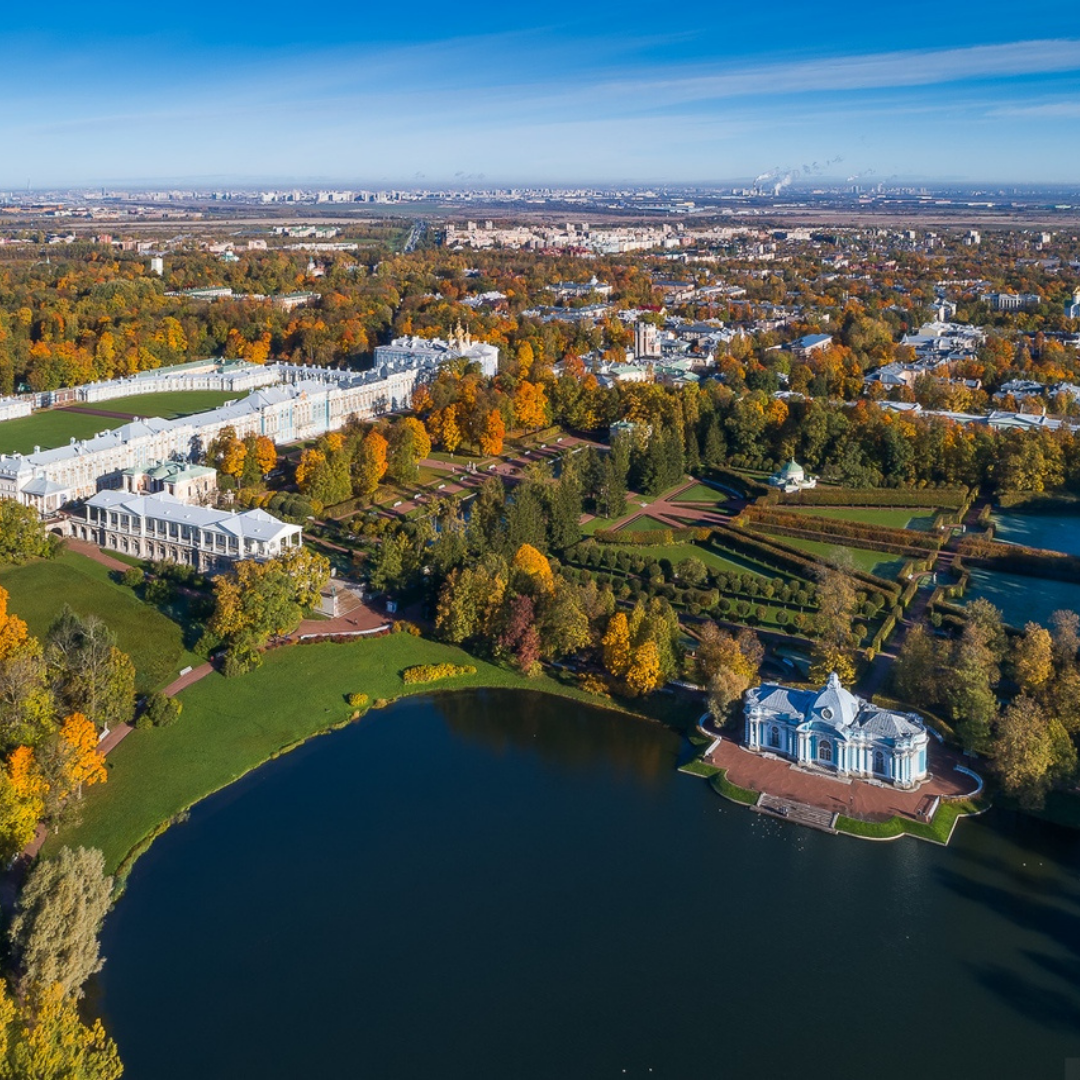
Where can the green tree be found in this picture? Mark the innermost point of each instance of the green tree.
(22, 534)
(1031, 751)
(54, 933)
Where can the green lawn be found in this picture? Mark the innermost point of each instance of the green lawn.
(40, 590)
(230, 726)
(54, 427)
(643, 523)
(701, 493)
(890, 518)
(938, 831)
(872, 562)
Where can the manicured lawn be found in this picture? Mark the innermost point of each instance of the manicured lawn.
(872, 562)
(49, 429)
(643, 523)
(230, 726)
(677, 552)
(171, 404)
(40, 590)
(701, 493)
(54, 427)
(938, 831)
(893, 518)
(723, 786)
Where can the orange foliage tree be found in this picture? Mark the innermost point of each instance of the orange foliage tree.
(84, 763)
(494, 431)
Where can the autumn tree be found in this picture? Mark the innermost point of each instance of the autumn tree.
(532, 570)
(1031, 750)
(643, 675)
(530, 405)
(310, 461)
(493, 434)
(1033, 657)
(22, 801)
(728, 665)
(58, 916)
(84, 763)
(369, 466)
(616, 645)
(42, 1035)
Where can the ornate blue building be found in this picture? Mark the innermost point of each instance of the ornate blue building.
(832, 729)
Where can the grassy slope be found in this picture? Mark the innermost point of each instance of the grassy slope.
(55, 427)
(39, 591)
(230, 726)
(701, 493)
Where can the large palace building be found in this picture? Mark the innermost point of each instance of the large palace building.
(834, 730)
(304, 403)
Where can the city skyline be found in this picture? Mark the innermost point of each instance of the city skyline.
(615, 95)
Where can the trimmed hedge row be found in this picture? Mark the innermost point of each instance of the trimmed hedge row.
(947, 498)
(746, 485)
(650, 537)
(1033, 562)
(792, 560)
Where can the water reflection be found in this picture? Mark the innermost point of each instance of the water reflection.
(571, 735)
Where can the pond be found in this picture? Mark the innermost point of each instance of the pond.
(1054, 532)
(1021, 598)
(503, 885)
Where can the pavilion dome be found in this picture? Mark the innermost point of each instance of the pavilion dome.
(792, 471)
(835, 705)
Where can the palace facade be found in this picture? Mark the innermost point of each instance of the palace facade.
(834, 730)
(161, 527)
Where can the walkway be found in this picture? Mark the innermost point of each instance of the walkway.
(854, 798)
(92, 551)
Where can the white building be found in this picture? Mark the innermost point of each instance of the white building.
(307, 403)
(834, 730)
(161, 527)
(792, 477)
(646, 341)
(421, 352)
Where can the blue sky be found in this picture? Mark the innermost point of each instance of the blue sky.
(491, 93)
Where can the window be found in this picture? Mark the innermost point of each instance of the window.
(879, 761)
(824, 750)
(774, 736)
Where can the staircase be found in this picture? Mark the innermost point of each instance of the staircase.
(798, 812)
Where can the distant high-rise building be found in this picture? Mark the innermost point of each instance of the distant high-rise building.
(157, 266)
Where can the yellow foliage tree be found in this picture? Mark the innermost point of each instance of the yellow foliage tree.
(450, 430)
(530, 405)
(13, 630)
(22, 800)
(643, 675)
(421, 439)
(616, 643)
(265, 454)
(531, 563)
(335, 441)
(232, 457)
(84, 763)
(1033, 657)
(310, 460)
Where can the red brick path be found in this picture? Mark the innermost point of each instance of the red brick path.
(856, 799)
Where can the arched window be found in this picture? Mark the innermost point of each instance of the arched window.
(879, 761)
(824, 750)
(774, 736)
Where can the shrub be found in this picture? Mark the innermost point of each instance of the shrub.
(159, 711)
(425, 673)
(357, 701)
(403, 626)
(132, 577)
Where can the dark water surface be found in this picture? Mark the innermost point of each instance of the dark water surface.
(499, 885)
